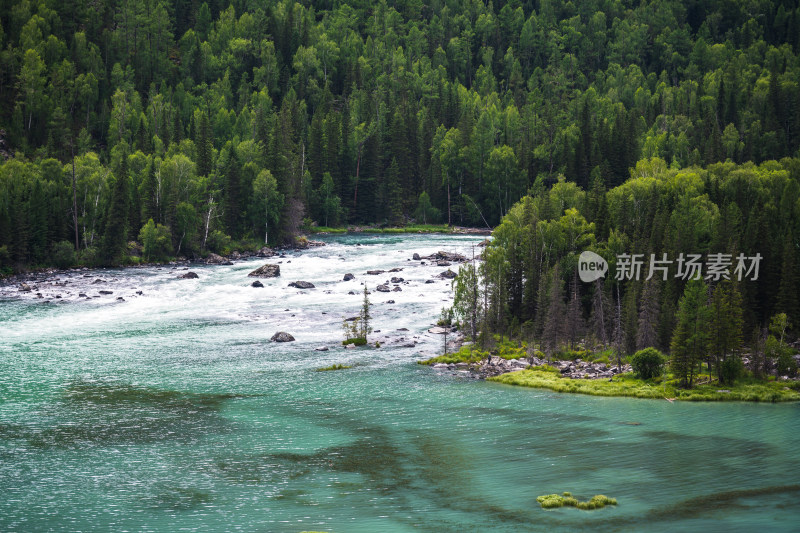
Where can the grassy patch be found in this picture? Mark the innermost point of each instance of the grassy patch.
(327, 229)
(334, 367)
(553, 501)
(629, 386)
(464, 355)
(471, 354)
(358, 341)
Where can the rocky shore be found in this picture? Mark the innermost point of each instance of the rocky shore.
(496, 366)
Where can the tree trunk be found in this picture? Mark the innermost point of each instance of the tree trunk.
(75, 202)
(448, 202)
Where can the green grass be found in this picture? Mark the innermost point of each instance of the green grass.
(334, 367)
(358, 341)
(628, 386)
(327, 229)
(553, 501)
(471, 354)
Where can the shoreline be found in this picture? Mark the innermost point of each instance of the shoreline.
(628, 386)
(510, 365)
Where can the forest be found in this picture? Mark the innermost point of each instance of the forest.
(142, 130)
(249, 121)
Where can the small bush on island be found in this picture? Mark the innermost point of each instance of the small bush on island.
(358, 341)
(648, 363)
(336, 366)
(553, 501)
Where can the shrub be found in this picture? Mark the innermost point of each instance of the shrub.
(63, 254)
(156, 241)
(218, 242)
(648, 363)
(786, 365)
(730, 370)
(358, 341)
(88, 256)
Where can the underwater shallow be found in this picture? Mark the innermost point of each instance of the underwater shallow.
(172, 411)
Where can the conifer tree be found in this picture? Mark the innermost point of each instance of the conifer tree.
(114, 241)
(690, 339)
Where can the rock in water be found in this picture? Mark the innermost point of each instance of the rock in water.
(265, 252)
(348, 277)
(257, 284)
(382, 288)
(188, 275)
(374, 272)
(397, 289)
(398, 269)
(416, 257)
(266, 271)
(282, 336)
(214, 259)
(448, 274)
(24, 287)
(301, 285)
(321, 349)
(397, 280)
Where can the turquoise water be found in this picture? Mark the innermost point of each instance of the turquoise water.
(172, 411)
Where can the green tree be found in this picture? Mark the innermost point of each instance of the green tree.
(726, 327)
(690, 339)
(425, 212)
(114, 242)
(331, 205)
(156, 241)
(467, 298)
(269, 200)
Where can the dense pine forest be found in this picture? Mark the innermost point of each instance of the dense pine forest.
(143, 130)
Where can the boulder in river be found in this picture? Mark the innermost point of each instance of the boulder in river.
(397, 280)
(188, 275)
(257, 284)
(443, 263)
(397, 289)
(382, 288)
(348, 277)
(106, 292)
(396, 269)
(448, 274)
(375, 272)
(282, 336)
(416, 257)
(265, 252)
(321, 349)
(266, 271)
(301, 285)
(214, 259)
(429, 281)
(24, 287)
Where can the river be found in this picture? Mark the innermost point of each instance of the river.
(173, 411)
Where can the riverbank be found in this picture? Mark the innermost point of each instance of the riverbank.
(509, 364)
(412, 228)
(626, 385)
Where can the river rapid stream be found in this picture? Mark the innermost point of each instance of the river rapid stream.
(172, 411)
